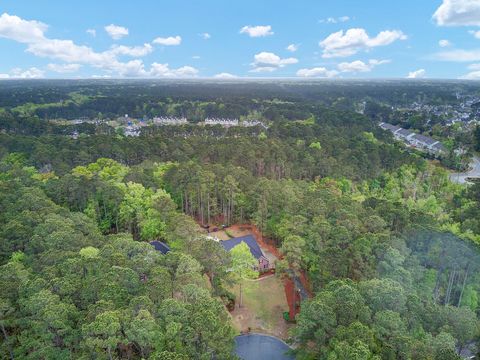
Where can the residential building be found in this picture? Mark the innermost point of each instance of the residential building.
(255, 250)
(170, 120)
(221, 121)
(160, 246)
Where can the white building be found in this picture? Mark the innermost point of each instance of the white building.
(170, 120)
(132, 130)
(251, 123)
(415, 140)
(221, 121)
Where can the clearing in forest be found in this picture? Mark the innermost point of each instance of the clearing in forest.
(264, 302)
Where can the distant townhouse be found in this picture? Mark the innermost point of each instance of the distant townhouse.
(415, 140)
(132, 130)
(251, 123)
(169, 120)
(389, 127)
(221, 121)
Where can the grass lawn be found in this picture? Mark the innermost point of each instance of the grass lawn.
(264, 302)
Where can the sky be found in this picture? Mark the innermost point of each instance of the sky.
(228, 39)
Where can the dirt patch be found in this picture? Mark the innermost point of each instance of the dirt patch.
(220, 235)
(272, 253)
(264, 302)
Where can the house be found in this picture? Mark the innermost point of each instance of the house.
(222, 122)
(170, 121)
(428, 144)
(132, 130)
(160, 246)
(255, 250)
(415, 140)
(390, 127)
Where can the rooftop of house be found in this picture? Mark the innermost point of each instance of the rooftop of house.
(425, 139)
(439, 147)
(390, 127)
(405, 132)
(160, 246)
(249, 240)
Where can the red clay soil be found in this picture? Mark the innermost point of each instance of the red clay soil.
(268, 244)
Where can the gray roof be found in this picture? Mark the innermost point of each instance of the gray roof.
(439, 147)
(405, 132)
(387, 126)
(425, 139)
(160, 246)
(249, 240)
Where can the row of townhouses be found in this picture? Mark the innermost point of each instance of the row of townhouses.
(415, 140)
(221, 121)
(170, 120)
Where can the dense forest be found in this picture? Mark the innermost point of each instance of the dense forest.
(389, 245)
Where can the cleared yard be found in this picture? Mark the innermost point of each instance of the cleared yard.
(234, 231)
(264, 302)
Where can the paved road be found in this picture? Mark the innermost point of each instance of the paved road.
(474, 172)
(261, 347)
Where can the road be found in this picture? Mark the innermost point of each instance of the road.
(474, 172)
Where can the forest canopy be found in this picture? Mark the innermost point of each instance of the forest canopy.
(388, 243)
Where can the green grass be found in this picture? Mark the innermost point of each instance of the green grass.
(265, 299)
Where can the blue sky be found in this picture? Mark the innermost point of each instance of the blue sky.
(226, 39)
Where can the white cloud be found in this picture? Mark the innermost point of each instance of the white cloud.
(116, 32)
(135, 51)
(24, 31)
(168, 41)
(317, 72)
(268, 62)
(32, 73)
(474, 75)
(257, 31)
(417, 74)
(32, 33)
(292, 47)
(64, 68)
(68, 51)
(474, 67)
(360, 66)
(205, 35)
(4, 76)
(225, 75)
(92, 32)
(196, 57)
(444, 43)
(163, 70)
(332, 20)
(458, 55)
(101, 76)
(343, 44)
(458, 13)
(476, 34)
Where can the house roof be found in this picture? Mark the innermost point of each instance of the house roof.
(249, 240)
(387, 126)
(439, 147)
(405, 132)
(425, 139)
(160, 246)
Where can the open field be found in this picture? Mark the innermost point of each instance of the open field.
(264, 302)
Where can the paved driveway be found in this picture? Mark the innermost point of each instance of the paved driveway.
(261, 347)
